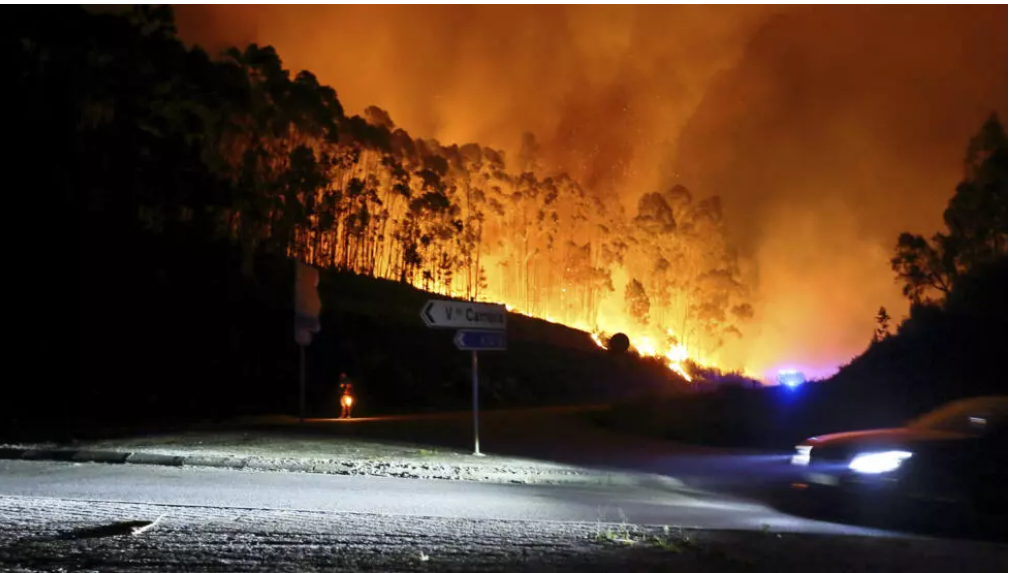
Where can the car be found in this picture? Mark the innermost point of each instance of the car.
(954, 457)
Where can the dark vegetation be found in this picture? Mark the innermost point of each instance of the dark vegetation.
(953, 345)
(181, 336)
(202, 341)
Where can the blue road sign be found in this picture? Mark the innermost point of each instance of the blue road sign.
(480, 340)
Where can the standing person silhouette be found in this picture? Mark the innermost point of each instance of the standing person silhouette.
(347, 397)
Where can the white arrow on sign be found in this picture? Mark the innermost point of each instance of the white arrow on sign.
(451, 314)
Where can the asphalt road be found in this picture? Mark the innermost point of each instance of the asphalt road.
(204, 487)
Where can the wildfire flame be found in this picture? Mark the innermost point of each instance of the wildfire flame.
(676, 355)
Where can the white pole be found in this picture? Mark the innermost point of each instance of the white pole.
(301, 383)
(473, 364)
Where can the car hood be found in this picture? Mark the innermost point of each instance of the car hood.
(889, 437)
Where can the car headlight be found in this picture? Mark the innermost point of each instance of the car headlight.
(879, 462)
(802, 457)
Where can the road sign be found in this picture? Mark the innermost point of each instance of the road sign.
(480, 340)
(473, 315)
(307, 304)
(483, 329)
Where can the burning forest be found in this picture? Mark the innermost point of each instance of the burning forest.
(599, 215)
(359, 194)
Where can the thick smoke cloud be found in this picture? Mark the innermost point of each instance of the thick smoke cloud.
(605, 89)
(826, 130)
(838, 129)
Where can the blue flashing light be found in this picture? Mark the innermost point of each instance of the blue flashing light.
(790, 378)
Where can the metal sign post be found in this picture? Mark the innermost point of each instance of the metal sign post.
(307, 307)
(301, 383)
(473, 369)
(475, 340)
(303, 338)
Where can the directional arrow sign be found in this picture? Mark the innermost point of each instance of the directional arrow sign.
(480, 340)
(473, 315)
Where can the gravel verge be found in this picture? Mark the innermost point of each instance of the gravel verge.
(49, 535)
(339, 455)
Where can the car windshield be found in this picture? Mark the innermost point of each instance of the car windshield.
(971, 416)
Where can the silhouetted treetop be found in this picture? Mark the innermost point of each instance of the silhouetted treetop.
(976, 222)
